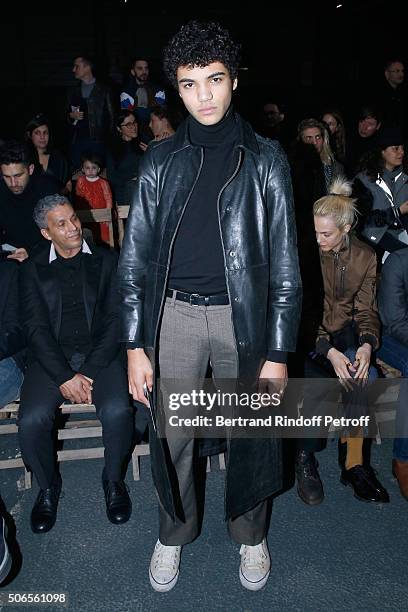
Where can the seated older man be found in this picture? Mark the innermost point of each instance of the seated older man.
(69, 309)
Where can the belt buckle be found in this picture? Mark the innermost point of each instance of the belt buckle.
(192, 295)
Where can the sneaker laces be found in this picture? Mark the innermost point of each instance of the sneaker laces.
(253, 557)
(166, 557)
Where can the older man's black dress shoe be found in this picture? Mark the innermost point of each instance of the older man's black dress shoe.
(118, 504)
(365, 484)
(44, 512)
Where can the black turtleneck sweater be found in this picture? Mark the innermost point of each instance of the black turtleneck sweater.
(197, 264)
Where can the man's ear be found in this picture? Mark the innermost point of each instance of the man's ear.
(45, 233)
(31, 169)
(132, 72)
(234, 84)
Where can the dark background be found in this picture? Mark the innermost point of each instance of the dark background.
(310, 54)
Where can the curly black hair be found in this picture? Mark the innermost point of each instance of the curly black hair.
(199, 44)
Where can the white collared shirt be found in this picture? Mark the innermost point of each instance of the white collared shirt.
(53, 254)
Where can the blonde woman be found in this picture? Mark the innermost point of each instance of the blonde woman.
(347, 336)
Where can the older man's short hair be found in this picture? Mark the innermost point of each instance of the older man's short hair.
(45, 205)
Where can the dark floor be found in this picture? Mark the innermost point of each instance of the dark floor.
(342, 556)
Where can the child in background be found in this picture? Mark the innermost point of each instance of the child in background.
(93, 191)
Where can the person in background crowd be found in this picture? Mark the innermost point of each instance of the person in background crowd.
(381, 187)
(361, 141)
(393, 307)
(90, 109)
(393, 96)
(161, 123)
(20, 191)
(72, 356)
(46, 158)
(12, 341)
(335, 124)
(124, 152)
(273, 122)
(93, 191)
(139, 93)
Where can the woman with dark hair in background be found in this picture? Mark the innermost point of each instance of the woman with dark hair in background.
(381, 188)
(337, 134)
(47, 160)
(123, 156)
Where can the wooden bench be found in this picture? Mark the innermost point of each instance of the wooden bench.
(75, 430)
(122, 214)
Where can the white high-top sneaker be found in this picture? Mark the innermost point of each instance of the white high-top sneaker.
(255, 566)
(164, 567)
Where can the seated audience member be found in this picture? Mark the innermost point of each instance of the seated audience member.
(122, 162)
(382, 191)
(20, 191)
(348, 334)
(273, 122)
(46, 158)
(69, 312)
(92, 192)
(161, 123)
(335, 125)
(12, 341)
(361, 140)
(393, 306)
(139, 94)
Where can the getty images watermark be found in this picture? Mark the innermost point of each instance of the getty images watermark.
(219, 401)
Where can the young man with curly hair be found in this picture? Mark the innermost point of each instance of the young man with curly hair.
(209, 274)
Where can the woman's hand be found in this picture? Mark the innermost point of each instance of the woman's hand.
(362, 361)
(341, 364)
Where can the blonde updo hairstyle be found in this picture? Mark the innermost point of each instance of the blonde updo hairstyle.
(338, 204)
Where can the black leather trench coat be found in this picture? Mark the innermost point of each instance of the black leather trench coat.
(261, 266)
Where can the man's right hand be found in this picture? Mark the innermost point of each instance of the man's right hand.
(78, 389)
(404, 208)
(140, 371)
(76, 115)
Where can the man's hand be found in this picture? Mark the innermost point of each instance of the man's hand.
(78, 389)
(19, 254)
(140, 371)
(76, 115)
(278, 372)
(404, 208)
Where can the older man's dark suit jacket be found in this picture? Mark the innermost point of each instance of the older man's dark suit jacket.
(41, 310)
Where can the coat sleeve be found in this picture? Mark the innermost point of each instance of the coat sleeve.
(285, 287)
(365, 306)
(393, 299)
(135, 253)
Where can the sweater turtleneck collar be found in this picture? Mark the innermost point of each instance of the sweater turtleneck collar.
(223, 132)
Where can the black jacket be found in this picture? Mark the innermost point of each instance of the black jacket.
(393, 296)
(261, 266)
(12, 341)
(100, 111)
(41, 309)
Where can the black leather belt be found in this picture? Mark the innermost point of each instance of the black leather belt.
(195, 299)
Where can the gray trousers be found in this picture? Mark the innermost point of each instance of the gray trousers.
(190, 337)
